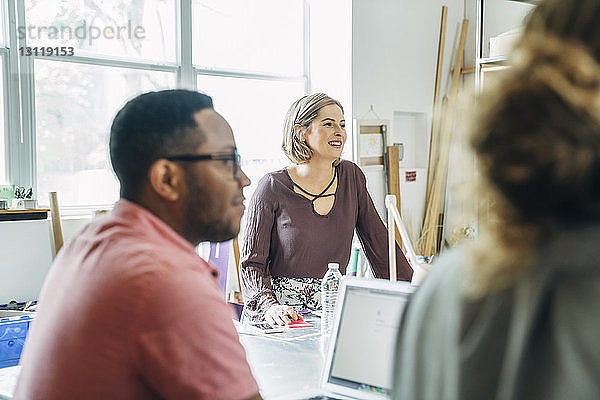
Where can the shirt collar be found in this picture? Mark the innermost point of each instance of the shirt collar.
(146, 222)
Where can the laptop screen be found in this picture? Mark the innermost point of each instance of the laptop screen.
(365, 341)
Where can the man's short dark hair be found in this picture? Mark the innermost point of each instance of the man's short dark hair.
(151, 126)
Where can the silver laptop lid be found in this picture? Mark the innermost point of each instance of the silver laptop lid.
(360, 359)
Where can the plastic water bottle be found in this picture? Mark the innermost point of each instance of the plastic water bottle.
(329, 291)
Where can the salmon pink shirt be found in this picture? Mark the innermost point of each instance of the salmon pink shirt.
(130, 311)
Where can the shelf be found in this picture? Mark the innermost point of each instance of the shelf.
(22, 215)
(493, 60)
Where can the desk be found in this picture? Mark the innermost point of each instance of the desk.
(8, 380)
(285, 362)
(280, 362)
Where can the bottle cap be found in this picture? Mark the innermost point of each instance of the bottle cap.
(333, 265)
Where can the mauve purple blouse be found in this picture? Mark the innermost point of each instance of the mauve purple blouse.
(286, 237)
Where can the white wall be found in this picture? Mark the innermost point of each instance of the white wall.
(331, 55)
(26, 253)
(394, 53)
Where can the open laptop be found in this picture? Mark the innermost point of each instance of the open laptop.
(360, 359)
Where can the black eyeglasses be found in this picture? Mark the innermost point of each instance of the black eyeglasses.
(234, 159)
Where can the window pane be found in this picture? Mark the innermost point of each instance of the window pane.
(141, 29)
(252, 35)
(255, 109)
(3, 13)
(75, 105)
(500, 34)
(3, 177)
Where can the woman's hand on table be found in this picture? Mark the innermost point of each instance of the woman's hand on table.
(279, 314)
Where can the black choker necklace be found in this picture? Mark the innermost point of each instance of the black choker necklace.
(320, 195)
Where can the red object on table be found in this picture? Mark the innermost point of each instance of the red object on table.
(298, 324)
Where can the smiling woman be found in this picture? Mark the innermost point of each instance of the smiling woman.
(303, 217)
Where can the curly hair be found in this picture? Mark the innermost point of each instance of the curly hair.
(537, 140)
(538, 137)
(570, 20)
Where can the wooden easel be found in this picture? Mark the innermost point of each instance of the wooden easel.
(235, 296)
(433, 139)
(430, 232)
(56, 226)
(393, 176)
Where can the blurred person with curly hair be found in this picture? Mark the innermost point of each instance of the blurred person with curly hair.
(513, 314)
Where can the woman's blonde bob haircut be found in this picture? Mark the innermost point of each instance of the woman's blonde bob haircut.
(302, 113)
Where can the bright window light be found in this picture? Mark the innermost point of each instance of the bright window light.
(249, 55)
(2, 27)
(255, 109)
(75, 104)
(139, 29)
(3, 177)
(251, 35)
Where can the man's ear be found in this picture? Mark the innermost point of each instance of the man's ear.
(166, 179)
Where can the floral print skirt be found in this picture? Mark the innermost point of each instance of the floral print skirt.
(304, 293)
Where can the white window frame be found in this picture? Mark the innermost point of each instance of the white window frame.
(19, 89)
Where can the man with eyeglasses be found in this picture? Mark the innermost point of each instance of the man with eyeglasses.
(129, 310)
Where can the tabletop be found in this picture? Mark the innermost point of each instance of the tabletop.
(284, 363)
(281, 362)
(8, 380)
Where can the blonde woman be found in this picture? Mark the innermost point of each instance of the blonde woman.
(515, 315)
(303, 217)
